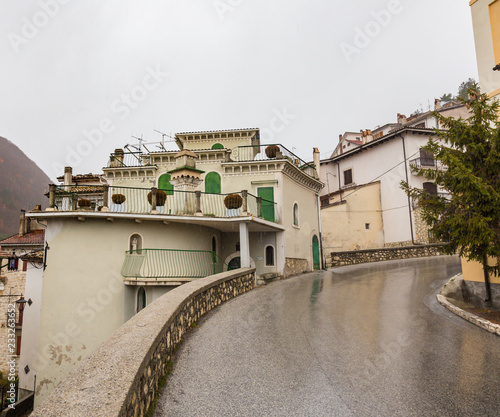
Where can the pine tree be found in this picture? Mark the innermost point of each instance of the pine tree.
(467, 154)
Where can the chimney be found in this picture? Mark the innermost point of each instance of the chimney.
(316, 160)
(68, 175)
(401, 119)
(340, 138)
(22, 223)
(116, 160)
(437, 104)
(369, 135)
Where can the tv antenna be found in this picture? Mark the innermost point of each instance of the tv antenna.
(163, 139)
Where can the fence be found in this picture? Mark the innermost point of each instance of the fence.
(173, 202)
(171, 263)
(271, 152)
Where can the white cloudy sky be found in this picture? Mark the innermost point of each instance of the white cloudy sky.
(219, 64)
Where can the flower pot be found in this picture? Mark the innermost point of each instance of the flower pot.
(161, 198)
(118, 198)
(233, 201)
(272, 151)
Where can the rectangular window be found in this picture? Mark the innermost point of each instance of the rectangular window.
(367, 226)
(426, 158)
(18, 346)
(348, 177)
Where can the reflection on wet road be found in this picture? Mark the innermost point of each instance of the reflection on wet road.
(367, 340)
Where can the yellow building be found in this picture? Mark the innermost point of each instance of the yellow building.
(486, 23)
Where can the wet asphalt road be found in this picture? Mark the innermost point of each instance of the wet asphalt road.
(366, 340)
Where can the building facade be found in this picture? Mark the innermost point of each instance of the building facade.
(156, 219)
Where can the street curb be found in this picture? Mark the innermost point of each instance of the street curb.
(472, 318)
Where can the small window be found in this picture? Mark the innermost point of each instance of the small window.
(295, 214)
(348, 177)
(426, 158)
(430, 188)
(18, 346)
(269, 256)
(141, 298)
(367, 226)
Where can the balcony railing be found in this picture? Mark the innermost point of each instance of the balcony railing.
(170, 263)
(120, 159)
(426, 163)
(147, 201)
(269, 153)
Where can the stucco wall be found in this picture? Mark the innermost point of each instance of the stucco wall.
(82, 306)
(488, 79)
(121, 378)
(345, 225)
(473, 271)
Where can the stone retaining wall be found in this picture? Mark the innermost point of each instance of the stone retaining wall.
(295, 266)
(384, 254)
(121, 377)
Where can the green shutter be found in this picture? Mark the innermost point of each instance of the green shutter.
(267, 195)
(212, 183)
(164, 184)
(217, 146)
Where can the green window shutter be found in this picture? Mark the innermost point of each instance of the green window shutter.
(217, 146)
(164, 184)
(212, 183)
(267, 195)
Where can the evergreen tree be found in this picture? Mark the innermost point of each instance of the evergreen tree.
(468, 171)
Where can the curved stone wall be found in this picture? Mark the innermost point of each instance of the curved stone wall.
(121, 377)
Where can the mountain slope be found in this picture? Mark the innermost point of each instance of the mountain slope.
(22, 185)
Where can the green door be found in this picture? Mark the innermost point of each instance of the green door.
(315, 245)
(212, 183)
(164, 184)
(267, 195)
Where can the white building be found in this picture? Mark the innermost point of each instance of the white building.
(363, 205)
(155, 220)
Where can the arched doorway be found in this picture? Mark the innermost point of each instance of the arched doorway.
(315, 250)
(141, 298)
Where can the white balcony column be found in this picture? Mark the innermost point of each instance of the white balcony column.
(244, 246)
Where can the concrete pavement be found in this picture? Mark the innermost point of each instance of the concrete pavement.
(365, 340)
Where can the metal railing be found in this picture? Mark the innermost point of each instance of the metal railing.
(271, 152)
(425, 163)
(140, 201)
(171, 263)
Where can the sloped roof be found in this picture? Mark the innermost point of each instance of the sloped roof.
(81, 177)
(36, 237)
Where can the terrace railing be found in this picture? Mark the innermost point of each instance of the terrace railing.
(151, 200)
(171, 263)
(269, 153)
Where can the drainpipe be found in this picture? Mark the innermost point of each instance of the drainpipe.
(338, 174)
(407, 181)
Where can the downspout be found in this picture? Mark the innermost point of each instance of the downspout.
(407, 181)
(338, 174)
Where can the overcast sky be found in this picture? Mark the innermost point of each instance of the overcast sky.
(80, 78)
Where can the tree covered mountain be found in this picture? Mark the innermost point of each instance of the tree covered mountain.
(22, 185)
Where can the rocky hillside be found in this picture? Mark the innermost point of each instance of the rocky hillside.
(22, 185)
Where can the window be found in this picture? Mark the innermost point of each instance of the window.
(367, 226)
(348, 176)
(18, 346)
(269, 256)
(296, 214)
(426, 158)
(141, 298)
(212, 183)
(430, 188)
(217, 146)
(164, 184)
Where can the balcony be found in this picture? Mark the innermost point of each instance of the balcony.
(148, 201)
(273, 152)
(425, 163)
(172, 267)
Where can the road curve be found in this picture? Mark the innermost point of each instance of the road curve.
(366, 340)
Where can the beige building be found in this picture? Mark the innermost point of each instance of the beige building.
(486, 24)
(156, 219)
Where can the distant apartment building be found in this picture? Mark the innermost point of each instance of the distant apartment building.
(362, 203)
